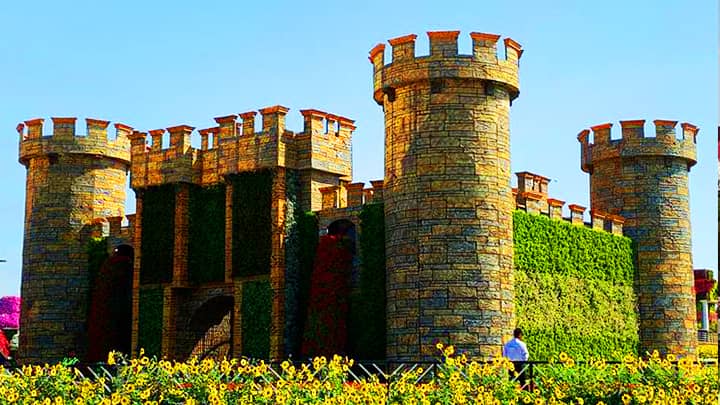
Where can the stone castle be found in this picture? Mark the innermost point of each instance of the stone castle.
(447, 196)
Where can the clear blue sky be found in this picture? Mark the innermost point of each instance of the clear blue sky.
(153, 66)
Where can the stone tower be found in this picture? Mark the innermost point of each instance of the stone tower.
(645, 180)
(448, 200)
(71, 181)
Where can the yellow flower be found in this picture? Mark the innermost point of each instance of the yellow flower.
(671, 357)
(626, 399)
(111, 358)
(563, 356)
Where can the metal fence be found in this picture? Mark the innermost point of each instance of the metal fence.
(707, 336)
(528, 373)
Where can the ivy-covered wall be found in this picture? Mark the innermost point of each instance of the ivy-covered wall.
(543, 245)
(307, 241)
(573, 289)
(206, 250)
(97, 253)
(150, 320)
(158, 234)
(252, 228)
(367, 306)
(256, 311)
(295, 238)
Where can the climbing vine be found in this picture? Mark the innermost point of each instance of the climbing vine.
(256, 312)
(367, 320)
(573, 289)
(110, 314)
(307, 226)
(158, 234)
(292, 262)
(206, 247)
(326, 323)
(252, 223)
(544, 245)
(150, 320)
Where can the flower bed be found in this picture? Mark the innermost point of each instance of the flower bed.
(454, 381)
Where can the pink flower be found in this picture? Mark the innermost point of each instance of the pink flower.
(9, 312)
(9, 304)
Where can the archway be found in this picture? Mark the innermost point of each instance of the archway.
(210, 329)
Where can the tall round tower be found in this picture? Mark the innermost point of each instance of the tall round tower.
(448, 200)
(71, 181)
(645, 180)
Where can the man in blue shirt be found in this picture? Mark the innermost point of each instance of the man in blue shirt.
(516, 351)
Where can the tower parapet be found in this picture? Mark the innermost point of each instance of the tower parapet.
(72, 182)
(64, 139)
(448, 201)
(645, 180)
(445, 62)
(635, 143)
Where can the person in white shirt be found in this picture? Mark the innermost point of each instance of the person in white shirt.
(516, 351)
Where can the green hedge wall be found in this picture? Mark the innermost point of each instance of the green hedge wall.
(367, 306)
(543, 245)
(582, 317)
(307, 228)
(256, 311)
(97, 253)
(292, 263)
(252, 228)
(206, 247)
(150, 320)
(158, 234)
(573, 289)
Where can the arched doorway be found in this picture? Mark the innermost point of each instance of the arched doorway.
(210, 329)
(346, 230)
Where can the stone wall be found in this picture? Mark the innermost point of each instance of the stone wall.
(72, 181)
(645, 179)
(448, 201)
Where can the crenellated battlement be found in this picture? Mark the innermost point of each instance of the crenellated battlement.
(352, 195)
(531, 196)
(234, 145)
(64, 139)
(634, 142)
(444, 61)
(112, 228)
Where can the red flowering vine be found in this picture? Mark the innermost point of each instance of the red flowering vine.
(109, 321)
(4, 345)
(326, 325)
